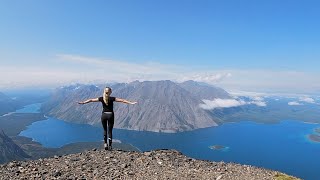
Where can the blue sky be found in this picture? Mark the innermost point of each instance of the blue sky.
(249, 45)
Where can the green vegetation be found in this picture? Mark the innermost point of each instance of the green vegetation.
(281, 176)
(13, 124)
(17, 122)
(36, 150)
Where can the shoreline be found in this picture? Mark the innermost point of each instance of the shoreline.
(35, 149)
(263, 121)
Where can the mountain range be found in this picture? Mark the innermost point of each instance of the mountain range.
(6, 104)
(163, 106)
(18, 99)
(9, 150)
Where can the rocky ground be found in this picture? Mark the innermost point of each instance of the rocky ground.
(117, 164)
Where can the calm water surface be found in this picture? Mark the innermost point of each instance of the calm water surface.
(284, 146)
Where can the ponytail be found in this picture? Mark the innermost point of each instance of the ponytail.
(106, 95)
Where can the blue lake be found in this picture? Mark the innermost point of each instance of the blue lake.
(284, 146)
(32, 108)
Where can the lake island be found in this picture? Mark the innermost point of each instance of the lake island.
(314, 138)
(218, 147)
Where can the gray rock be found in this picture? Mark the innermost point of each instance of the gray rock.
(124, 166)
(165, 164)
(56, 174)
(219, 177)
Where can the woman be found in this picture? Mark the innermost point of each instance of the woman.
(107, 117)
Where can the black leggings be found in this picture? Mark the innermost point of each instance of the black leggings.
(107, 120)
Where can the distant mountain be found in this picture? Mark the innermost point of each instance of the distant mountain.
(9, 150)
(63, 104)
(275, 111)
(2, 96)
(163, 106)
(10, 101)
(6, 104)
(204, 91)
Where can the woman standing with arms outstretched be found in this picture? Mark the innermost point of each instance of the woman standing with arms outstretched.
(107, 117)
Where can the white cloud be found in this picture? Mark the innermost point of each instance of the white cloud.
(272, 81)
(257, 98)
(209, 78)
(307, 100)
(247, 93)
(65, 68)
(227, 103)
(300, 101)
(276, 96)
(119, 66)
(221, 103)
(149, 70)
(294, 103)
(36, 76)
(258, 103)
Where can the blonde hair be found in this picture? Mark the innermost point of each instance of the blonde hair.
(106, 95)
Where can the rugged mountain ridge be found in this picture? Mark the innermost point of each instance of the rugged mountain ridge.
(9, 150)
(158, 164)
(163, 106)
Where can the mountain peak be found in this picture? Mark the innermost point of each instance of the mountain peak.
(164, 106)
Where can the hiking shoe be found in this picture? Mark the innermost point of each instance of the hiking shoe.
(110, 143)
(105, 146)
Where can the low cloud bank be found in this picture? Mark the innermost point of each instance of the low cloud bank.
(294, 103)
(258, 103)
(227, 103)
(307, 100)
(302, 100)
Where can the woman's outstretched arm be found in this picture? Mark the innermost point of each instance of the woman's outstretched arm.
(125, 101)
(88, 101)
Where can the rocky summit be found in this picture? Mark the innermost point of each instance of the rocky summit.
(116, 164)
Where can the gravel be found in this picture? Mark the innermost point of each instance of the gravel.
(117, 164)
